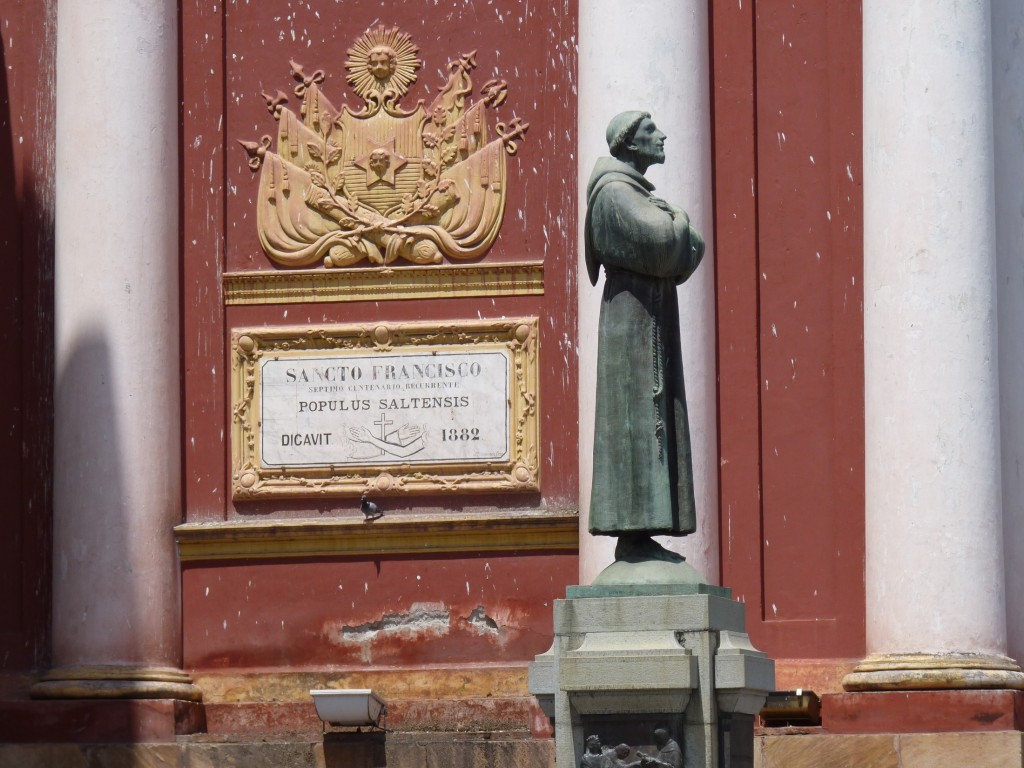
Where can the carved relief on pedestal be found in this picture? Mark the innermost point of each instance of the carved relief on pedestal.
(380, 183)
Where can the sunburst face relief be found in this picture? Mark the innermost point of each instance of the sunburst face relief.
(382, 60)
(379, 183)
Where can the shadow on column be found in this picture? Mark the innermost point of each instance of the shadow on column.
(94, 609)
(102, 688)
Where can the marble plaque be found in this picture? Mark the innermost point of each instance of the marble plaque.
(385, 408)
(346, 410)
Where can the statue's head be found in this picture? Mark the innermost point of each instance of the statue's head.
(660, 737)
(594, 744)
(634, 139)
(381, 62)
(622, 751)
(380, 159)
(621, 129)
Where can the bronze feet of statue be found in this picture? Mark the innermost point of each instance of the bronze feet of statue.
(639, 548)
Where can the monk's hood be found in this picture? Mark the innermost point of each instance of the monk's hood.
(606, 165)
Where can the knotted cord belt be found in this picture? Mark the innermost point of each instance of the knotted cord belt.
(658, 350)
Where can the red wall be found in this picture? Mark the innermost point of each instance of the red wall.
(788, 201)
(787, 95)
(27, 111)
(395, 612)
(248, 613)
(232, 54)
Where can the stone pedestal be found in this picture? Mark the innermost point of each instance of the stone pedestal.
(627, 660)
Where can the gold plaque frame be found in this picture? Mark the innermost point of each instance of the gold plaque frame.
(520, 472)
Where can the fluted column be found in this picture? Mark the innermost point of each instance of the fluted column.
(652, 55)
(117, 479)
(934, 577)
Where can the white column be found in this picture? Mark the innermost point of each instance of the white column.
(653, 55)
(117, 478)
(934, 578)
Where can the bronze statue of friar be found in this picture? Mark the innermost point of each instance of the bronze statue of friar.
(643, 470)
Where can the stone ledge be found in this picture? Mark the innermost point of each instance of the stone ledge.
(444, 281)
(819, 675)
(448, 681)
(395, 534)
(644, 590)
(483, 714)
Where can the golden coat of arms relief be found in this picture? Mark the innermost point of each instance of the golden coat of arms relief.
(380, 183)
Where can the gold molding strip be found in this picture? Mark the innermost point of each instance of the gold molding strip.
(312, 286)
(454, 680)
(401, 534)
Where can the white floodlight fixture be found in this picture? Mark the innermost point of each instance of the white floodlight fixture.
(349, 706)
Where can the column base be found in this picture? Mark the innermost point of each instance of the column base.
(929, 672)
(95, 721)
(922, 711)
(116, 682)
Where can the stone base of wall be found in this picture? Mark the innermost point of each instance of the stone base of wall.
(471, 731)
(775, 749)
(348, 750)
(814, 748)
(100, 721)
(903, 729)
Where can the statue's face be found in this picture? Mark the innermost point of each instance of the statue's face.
(649, 143)
(380, 159)
(381, 62)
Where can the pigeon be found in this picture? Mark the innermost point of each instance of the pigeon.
(370, 510)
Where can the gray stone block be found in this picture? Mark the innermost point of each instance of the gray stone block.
(469, 750)
(255, 754)
(674, 613)
(743, 675)
(42, 756)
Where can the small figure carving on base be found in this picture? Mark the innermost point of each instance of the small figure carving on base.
(669, 754)
(594, 756)
(621, 757)
(643, 473)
